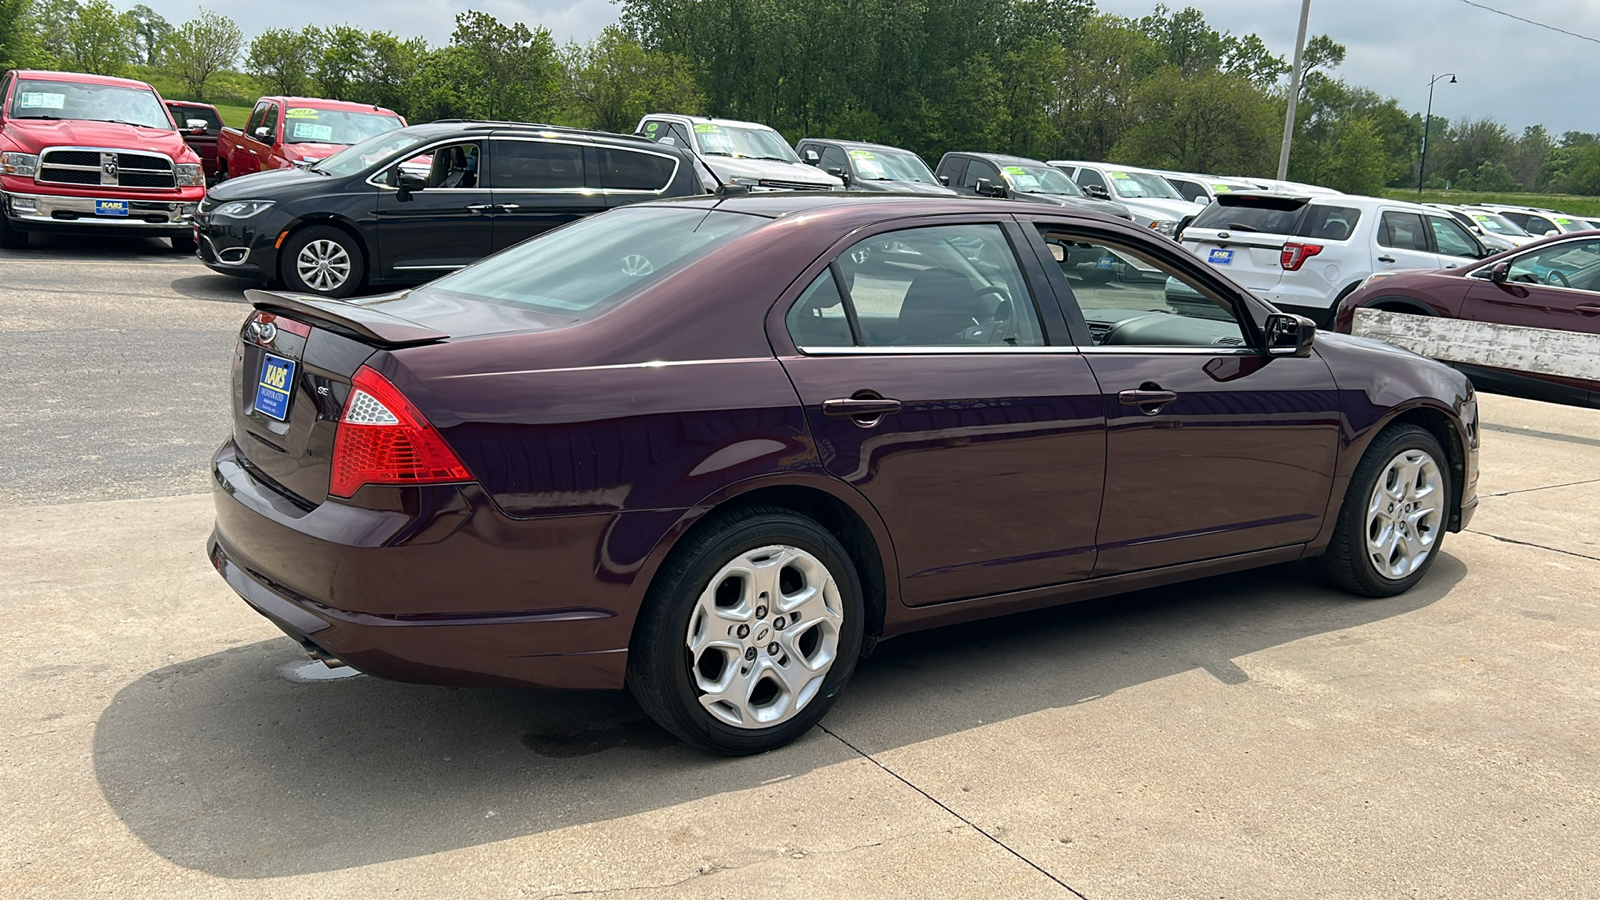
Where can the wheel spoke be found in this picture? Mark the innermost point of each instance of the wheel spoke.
(1404, 512)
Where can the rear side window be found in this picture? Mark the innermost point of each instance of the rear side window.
(536, 165)
(1402, 231)
(627, 170)
(1250, 213)
(818, 318)
(1191, 191)
(1328, 223)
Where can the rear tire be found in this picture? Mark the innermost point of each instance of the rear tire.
(322, 260)
(749, 633)
(11, 238)
(1394, 515)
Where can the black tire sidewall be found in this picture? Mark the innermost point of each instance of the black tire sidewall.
(298, 241)
(183, 244)
(11, 238)
(669, 664)
(1373, 464)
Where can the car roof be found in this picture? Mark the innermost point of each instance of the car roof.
(852, 145)
(706, 119)
(1002, 158)
(493, 127)
(322, 103)
(82, 78)
(870, 207)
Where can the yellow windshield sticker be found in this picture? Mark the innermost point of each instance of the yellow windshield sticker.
(300, 113)
(1120, 175)
(1014, 170)
(706, 128)
(1221, 188)
(861, 154)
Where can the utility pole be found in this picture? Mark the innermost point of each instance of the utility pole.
(1294, 90)
(1427, 123)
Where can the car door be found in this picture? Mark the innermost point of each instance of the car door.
(979, 170)
(539, 185)
(1403, 243)
(936, 385)
(1552, 286)
(251, 149)
(834, 162)
(449, 223)
(1213, 447)
(1455, 245)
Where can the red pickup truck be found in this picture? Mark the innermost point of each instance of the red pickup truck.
(294, 131)
(90, 154)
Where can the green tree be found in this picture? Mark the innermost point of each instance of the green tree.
(613, 82)
(200, 48)
(150, 33)
(52, 22)
(512, 71)
(344, 57)
(99, 40)
(17, 44)
(1207, 123)
(282, 59)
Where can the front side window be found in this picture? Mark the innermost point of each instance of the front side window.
(36, 98)
(451, 167)
(1131, 299)
(833, 161)
(1451, 238)
(978, 169)
(1402, 231)
(536, 165)
(1090, 178)
(578, 271)
(941, 286)
(1574, 264)
(257, 116)
(270, 123)
(1191, 191)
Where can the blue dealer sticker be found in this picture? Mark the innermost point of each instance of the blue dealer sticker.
(111, 208)
(1220, 258)
(272, 390)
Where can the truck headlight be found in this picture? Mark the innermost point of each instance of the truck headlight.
(191, 175)
(242, 209)
(1168, 227)
(20, 164)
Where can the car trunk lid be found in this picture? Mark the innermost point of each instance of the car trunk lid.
(1242, 235)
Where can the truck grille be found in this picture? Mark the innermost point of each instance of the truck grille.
(107, 168)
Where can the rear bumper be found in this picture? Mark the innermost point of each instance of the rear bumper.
(76, 215)
(440, 589)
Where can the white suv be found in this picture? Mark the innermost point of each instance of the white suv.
(1152, 200)
(744, 153)
(1303, 253)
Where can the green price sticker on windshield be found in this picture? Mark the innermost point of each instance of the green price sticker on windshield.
(1221, 188)
(1120, 176)
(1014, 171)
(861, 154)
(652, 127)
(706, 128)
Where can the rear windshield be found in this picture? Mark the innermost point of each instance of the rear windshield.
(1287, 216)
(585, 268)
(305, 125)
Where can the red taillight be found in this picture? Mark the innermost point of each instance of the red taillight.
(1295, 255)
(281, 323)
(383, 439)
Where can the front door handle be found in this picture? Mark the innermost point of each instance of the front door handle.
(1588, 309)
(1385, 258)
(479, 208)
(1149, 400)
(864, 410)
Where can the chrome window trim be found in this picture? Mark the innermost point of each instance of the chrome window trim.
(415, 151)
(677, 163)
(976, 350)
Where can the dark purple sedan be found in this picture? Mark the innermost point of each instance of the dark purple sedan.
(714, 450)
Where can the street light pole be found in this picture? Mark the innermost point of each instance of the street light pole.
(1294, 91)
(1427, 124)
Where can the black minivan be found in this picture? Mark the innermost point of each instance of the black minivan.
(409, 205)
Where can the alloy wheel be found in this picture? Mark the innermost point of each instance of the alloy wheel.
(1405, 514)
(763, 635)
(324, 265)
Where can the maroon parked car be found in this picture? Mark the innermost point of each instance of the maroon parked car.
(715, 449)
(1551, 283)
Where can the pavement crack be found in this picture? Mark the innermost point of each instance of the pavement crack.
(1543, 488)
(968, 822)
(1506, 540)
(1542, 435)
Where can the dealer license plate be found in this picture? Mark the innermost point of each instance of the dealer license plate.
(272, 390)
(1220, 258)
(111, 208)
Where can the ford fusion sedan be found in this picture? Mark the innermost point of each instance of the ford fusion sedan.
(714, 450)
(415, 203)
(1552, 283)
(744, 154)
(1018, 178)
(872, 167)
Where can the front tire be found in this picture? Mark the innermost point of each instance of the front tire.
(11, 238)
(749, 633)
(322, 260)
(1394, 515)
(183, 244)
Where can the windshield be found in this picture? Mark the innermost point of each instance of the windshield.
(304, 125)
(37, 99)
(1498, 224)
(591, 265)
(365, 155)
(1040, 180)
(1139, 185)
(752, 142)
(892, 165)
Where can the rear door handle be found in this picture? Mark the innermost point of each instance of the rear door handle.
(480, 207)
(1148, 401)
(508, 207)
(1588, 309)
(1385, 259)
(865, 410)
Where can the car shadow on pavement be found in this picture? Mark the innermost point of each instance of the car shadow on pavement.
(214, 288)
(224, 765)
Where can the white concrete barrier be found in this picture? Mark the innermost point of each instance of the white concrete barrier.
(1546, 351)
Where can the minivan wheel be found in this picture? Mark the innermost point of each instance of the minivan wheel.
(321, 260)
(1394, 515)
(749, 633)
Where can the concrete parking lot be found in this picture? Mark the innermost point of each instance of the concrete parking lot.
(1255, 735)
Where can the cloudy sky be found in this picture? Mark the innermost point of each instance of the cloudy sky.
(1516, 73)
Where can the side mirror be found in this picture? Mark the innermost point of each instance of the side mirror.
(408, 184)
(1096, 191)
(263, 132)
(196, 126)
(1290, 335)
(835, 171)
(944, 180)
(812, 158)
(999, 190)
(982, 187)
(1500, 272)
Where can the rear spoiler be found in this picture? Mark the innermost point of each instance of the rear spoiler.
(352, 318)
